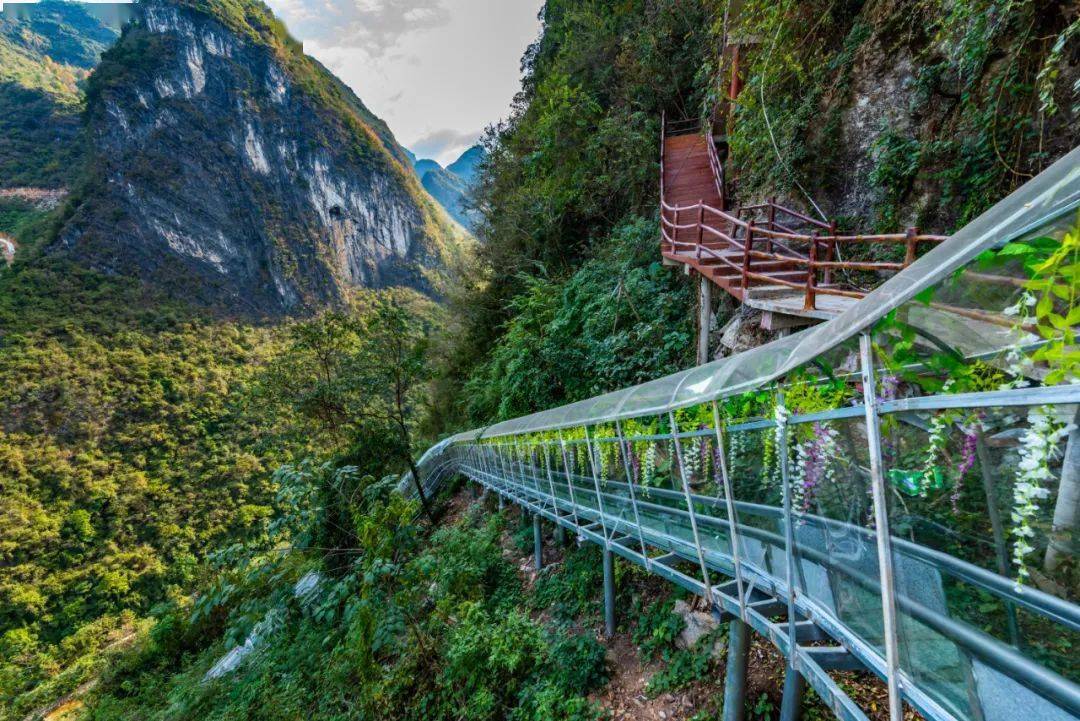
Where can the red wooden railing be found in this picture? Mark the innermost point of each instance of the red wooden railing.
(768, 232)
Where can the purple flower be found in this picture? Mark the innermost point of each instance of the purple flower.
(890, 385)
(967, 461)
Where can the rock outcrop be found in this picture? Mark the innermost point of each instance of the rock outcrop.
(234, 171)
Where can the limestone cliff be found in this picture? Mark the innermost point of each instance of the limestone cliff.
(231, 169)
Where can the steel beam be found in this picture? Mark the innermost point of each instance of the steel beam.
(881, 525)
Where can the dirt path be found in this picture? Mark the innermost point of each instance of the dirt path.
(42, 198)
(625, 695)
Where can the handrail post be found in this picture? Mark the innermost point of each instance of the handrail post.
(569, 483)
(810, 302)
(748, 244)
(675, 231)
(881, 527)
(596, 483)
(772, 223)
(909, 246)
(624, 447)
(551, 480)
(523, 450)
(794, 683)
(700, 221)
(830, 252)
(729, 502)
(690, 508)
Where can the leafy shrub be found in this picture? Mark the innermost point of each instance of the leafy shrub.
(683, 668)
(545, 701)
(578, 662)
(657, 628)
(572, 591)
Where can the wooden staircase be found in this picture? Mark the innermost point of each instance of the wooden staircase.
(767, 256)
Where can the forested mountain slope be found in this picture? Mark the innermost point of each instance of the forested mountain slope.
(174, 484)
(46, 53)
(879, 113)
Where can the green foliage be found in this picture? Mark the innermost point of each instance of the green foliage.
(985, 83)
(572, 590)
(404, 631)
(572, 177)
(657, 628)
(43, 62)
(619, 320)
(896, 163)
(684, 667)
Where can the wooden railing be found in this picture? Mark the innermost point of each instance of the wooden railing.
(771, 232)
(772, 240)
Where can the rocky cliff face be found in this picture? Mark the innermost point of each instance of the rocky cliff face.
(233, 170)
(888, 113)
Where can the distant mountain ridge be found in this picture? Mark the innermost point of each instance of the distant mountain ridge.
(451, 185)
(468, 164)
(47, 50)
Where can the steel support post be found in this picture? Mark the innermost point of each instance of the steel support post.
(738, 657)
(704, 318)
(881, 526)
(690, 508)
(538, 543)
(793, 681)
(624, 451)
(609, 594)
(794, 689)
(729, 502)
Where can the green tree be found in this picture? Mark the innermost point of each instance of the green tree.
(361, 375)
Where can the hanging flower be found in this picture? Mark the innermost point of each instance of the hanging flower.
(967, 462)
(693, 459)
(1037, 448)
(814, 465)
(780, 415)
(890, 386)
(648, 476)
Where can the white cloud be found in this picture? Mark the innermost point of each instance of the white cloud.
(444, 143)
(423, 66)
(373, 26)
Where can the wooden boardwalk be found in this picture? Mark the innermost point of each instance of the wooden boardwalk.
(767, 256)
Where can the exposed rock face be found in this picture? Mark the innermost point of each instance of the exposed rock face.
(236, 172)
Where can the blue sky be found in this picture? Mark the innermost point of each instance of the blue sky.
(437, 71)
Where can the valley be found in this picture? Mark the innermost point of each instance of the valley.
(236, 312)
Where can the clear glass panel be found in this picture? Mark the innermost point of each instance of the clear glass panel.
(972, 548)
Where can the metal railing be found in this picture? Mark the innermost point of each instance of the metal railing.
(782, 571)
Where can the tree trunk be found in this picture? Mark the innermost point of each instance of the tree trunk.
(420, 490)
